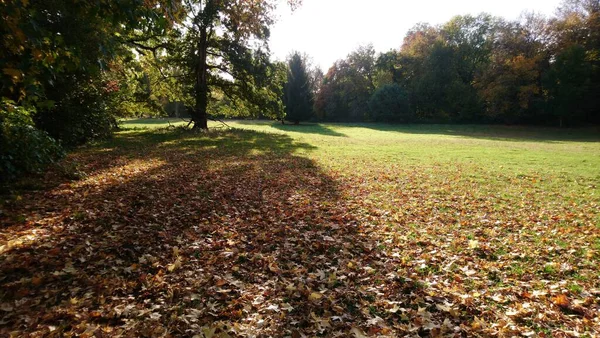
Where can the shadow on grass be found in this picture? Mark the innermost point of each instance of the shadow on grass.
(151, 123)
(170, 232)
(492, 132)
(154, 121)
(305, 128)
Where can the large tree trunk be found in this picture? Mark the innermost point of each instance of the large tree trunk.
(200, 116)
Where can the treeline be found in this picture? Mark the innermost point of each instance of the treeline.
(476, 69)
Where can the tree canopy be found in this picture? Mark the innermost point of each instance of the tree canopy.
(480, 69)
(298, 94)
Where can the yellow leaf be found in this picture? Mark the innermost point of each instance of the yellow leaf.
(473, 244)
(358, 333)
(332, 278)
(174, 266)
(443, 307)
(274, 268)
(208, 332)
(315, 296)
(478, 324)
(14, 73)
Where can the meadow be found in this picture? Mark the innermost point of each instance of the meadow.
(265, 229)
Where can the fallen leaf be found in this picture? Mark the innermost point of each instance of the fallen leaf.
(315, 296)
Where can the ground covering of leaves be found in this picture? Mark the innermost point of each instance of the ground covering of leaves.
(233, 234)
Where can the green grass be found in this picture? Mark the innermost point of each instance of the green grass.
(554, 164)
(152, 123)
(541, 155)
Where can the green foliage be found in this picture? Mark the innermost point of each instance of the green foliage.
(568, 81)
(44, 39)
(85, 112)
(390, 104)
(144, 88)
(438, 66)
(347, 87)
(481, 69)
(222, 52)
(56, 55)
(298, 96)
(23, 148)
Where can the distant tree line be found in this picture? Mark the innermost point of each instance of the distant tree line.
(475, 69)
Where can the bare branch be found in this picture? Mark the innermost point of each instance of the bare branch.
(218, 120)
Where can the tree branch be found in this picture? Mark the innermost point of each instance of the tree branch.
(224, 70)
(218, 120)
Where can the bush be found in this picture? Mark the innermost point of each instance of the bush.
(83, 114)
(23, 148)
(390, 104)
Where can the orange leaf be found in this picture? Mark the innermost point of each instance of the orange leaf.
(561, 301)
(37, 281)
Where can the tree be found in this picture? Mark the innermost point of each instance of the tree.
(347, 87)
(222, 49)
(470, 38)
(574, 78)
(436, 89)
(427, 69)
(298, 96)
(568, 83)
(42, 40)
(386, 72)
(55, 56)
(390, 104)
(510, 83)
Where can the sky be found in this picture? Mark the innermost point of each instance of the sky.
(328, 30)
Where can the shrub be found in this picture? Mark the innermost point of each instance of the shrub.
(83, 114)
(23, 148)
(390, 104)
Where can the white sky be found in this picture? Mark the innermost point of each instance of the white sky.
(327, 30)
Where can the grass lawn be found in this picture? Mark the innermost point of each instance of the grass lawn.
(312, 230)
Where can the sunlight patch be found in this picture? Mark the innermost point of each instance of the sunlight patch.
(120, 174)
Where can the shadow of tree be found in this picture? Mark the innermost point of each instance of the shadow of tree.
(171, 232)
(307, 128)
(492, 132)
(153, 121)
(177, 234)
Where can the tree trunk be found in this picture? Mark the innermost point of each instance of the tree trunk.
(200, 116)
